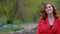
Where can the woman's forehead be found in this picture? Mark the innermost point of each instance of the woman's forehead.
(48, 5)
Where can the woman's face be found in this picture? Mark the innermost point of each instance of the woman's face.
(49, 9)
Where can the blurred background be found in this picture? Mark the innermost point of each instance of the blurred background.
(21, 15)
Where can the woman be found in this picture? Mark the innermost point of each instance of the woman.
(49, 22)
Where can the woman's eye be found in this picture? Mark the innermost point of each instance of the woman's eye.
(49, 6)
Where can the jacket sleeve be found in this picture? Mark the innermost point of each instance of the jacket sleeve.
(58, 30)
(38, 28)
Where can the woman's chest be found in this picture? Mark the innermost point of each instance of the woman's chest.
(46, 28)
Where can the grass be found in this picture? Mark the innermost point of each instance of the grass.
(3, 20)
(28, 20)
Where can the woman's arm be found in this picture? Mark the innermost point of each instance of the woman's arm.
(58, 30)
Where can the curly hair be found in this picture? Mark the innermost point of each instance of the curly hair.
(55, 12)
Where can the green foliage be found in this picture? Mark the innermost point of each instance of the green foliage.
(30, 9)
(7, 8)
(3, 20)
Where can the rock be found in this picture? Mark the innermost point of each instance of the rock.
(23, 32)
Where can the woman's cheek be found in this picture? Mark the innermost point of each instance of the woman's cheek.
(49, 11)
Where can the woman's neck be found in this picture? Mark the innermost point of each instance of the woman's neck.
(50, 15)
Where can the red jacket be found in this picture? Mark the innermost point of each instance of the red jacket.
(44, 27)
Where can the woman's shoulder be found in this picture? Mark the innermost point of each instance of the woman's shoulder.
(59, 20)
(41, 18)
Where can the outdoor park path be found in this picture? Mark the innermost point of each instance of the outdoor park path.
(28, 25)
(28, 28)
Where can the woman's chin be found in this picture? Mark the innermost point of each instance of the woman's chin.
(49, 13)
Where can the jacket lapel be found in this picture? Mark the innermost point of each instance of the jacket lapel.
(54, 26)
